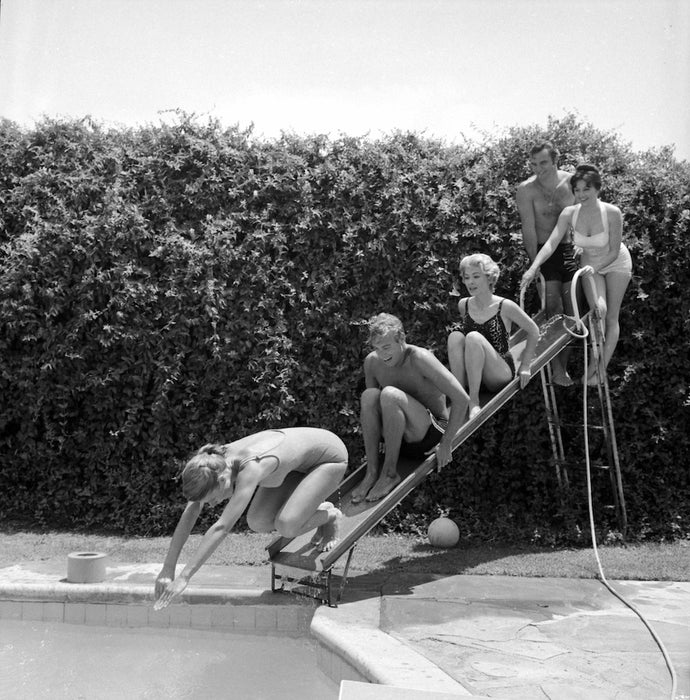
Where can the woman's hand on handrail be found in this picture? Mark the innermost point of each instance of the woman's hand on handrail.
(528, 277)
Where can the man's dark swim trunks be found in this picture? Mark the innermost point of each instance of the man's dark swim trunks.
(561, 266)
(431, 439)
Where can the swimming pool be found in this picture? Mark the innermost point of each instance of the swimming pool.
(341, 644)
(60, 661)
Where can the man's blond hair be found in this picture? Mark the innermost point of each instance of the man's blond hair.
(382, 324)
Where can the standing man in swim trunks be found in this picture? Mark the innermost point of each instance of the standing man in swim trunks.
(404, 404)
(540, 200)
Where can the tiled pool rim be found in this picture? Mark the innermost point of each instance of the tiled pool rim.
(350, 643)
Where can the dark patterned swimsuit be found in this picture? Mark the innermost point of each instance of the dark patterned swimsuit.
(494, 330)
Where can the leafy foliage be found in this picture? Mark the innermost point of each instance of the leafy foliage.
(170, 285)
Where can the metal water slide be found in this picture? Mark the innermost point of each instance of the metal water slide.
(297, 565)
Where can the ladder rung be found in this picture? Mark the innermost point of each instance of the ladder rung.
(577, 425)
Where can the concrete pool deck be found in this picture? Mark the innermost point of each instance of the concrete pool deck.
(463, 636)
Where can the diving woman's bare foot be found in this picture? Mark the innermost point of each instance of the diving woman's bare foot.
(383, 487)
(318, 534)
(474, 410)
(330, 530)
(359, 494)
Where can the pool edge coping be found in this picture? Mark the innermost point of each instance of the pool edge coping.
(351, 631)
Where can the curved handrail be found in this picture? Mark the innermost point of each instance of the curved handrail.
(583, 332)
(581, 329)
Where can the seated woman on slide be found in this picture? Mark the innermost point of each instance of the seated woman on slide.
(478, 350)
(288, 472)
(597, 233)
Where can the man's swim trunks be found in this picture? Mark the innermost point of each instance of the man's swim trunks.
(561, 266)
(431, 439)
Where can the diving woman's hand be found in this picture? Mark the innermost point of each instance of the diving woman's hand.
(172, 590)
(162, 581)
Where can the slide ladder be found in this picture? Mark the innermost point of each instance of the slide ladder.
(600, 410)
(298, 566)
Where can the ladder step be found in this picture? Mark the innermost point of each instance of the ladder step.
(561, 424)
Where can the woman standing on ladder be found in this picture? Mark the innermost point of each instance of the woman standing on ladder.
(597, 236)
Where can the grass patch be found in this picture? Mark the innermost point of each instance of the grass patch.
(376, 553)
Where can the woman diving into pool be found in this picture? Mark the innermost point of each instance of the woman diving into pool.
(286, 474)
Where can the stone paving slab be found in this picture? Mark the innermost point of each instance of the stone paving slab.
(145, 574)
(504, 637)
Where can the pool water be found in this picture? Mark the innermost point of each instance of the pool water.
(59, 661)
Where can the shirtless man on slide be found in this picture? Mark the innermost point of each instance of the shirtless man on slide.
(404, 404)
(540, 200)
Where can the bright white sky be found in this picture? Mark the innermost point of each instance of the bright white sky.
(449, 68)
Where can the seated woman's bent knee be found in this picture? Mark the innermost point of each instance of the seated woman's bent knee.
(476, 343)
(475, 337)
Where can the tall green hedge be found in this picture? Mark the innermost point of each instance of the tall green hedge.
(170, 285)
